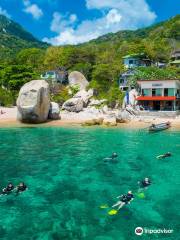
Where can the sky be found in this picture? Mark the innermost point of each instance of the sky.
(61, 22)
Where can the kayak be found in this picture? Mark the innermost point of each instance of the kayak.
(159, 127)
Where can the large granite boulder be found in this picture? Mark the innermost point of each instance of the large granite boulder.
(33, 102)
(84, 95)
(73, 105)
(54, 111)
(76, 78)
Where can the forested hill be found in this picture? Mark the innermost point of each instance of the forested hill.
(23, 58)
(14, 38)
(157, 41)
(168, 29)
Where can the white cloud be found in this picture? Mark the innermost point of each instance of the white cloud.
(32, 9)
(4, 12)
(60, 22)
(116, 15)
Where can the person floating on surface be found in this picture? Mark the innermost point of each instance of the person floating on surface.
(111, 158)
(168, 154)
(145, 183)
(114, 155)
(21, 187)
(8, 189)
(125, 199)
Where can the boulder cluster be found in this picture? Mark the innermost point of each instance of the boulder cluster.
(34, 105)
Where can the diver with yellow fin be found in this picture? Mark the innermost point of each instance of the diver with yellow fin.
(125, 199)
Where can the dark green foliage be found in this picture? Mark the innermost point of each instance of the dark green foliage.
(14, 38)
(14, 76)
(6, 97)
(23, 58)
(61, 96)
(105, 84)
(84, 68)
(152, 73)
(32, 57)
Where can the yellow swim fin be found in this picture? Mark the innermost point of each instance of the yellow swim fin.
(104, 206)
(112, 212)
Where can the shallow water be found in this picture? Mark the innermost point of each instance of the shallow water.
(68, 182)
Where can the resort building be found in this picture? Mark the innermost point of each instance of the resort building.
(159, 95)
(136, 60)
(124, 80)
(175, 58)
(55, 76)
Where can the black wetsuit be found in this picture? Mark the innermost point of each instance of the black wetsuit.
(21, 188)
(145, 183)
(8, 189)
(166, 155)
(114, 155)
(127, 198)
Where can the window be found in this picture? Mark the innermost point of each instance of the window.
(146, 92)
(170, 91)
(166, 92)
(156, 92)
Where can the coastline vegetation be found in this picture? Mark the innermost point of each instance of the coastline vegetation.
(99, 60)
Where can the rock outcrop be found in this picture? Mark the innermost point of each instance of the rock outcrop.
(84, 95)
(92, 122)
(33, 102)
(110, 121)
(124, 116)
(96, 102)
(73, 105)
(54, 111)
(76, 78)
(78, 101)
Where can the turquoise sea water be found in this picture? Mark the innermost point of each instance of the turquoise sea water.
(68, 181)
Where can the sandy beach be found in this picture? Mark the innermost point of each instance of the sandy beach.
(8, 118)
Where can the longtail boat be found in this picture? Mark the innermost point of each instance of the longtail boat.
(159, 127)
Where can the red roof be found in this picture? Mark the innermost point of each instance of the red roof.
(155, 98)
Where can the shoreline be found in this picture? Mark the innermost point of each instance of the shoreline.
(8, 119)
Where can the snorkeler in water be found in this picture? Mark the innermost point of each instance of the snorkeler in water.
(145, 183)
(111, 158)
(7, 189)
(21, 188)
(125, 199)
(168, 154)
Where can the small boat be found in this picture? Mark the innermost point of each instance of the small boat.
(159, 127)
